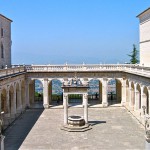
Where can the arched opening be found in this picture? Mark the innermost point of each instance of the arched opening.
(12, 101)
(2, 50)
(35, 93)
(38, 91)
(114, 91)
(146, 96)
(127, 93)
(138, 96)
(132, 103)
(95, 92)
(3, 101)
(31, 92)
(55, 92)
(17, 97)
(23, 94)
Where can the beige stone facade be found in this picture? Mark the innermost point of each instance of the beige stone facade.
(145, 37)
(5, 42)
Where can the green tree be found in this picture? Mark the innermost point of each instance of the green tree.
(134, 55)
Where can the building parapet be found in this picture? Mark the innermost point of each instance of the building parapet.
(128, 68)
(11, 71)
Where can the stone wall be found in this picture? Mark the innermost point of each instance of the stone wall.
(5, 42)
(145, 38)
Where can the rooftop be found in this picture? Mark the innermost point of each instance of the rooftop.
(5, 18)
(148, 9)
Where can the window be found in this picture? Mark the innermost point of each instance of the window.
(2, 51)
(2, 32)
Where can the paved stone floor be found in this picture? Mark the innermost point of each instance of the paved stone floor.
(113, 128)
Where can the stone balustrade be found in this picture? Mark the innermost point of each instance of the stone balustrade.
(129, 68)
(11, 71)
(97, 67)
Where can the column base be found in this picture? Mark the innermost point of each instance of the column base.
(2, 141)
(104, 104)
(46, 106)
(123, 103)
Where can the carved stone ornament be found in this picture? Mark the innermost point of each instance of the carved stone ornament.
(147, 127)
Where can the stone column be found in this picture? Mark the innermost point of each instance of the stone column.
(13, 106)
(27, 102)
(45, 94)
(100, 91)
(85, 100)
(19, 107)
(137, 100)
(104, 92)
(130, 96)
(0, 101)
(50, 92)
(2, 142)
(143, 102)
(127, 95)
(65, 103)
(7, 113)
(31, 92)
(123, 98)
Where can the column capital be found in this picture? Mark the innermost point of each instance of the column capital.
(65, 96)
(105, 79)
(45, 79)
(85, 96)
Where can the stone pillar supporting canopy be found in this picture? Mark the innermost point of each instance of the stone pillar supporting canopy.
(65, 103)
(45, 94)
(85, 99)
(104, 93)
(27, 94)
(123, 99)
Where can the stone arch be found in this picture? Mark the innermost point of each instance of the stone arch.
(146, 97)
(55, 92)
(138, 96)
(114, 90)
(4, 100)
(95, 90)
(31, 91)
(127, 92)
(132, 95)
(17, 96)
(23, 94)
(12, 100)
(35, 92)
(38, 90)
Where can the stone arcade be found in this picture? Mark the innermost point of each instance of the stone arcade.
(17, 84)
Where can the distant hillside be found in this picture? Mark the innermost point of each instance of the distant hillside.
(94, 87)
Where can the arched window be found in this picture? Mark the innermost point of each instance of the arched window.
(2, 51)
(2, 32)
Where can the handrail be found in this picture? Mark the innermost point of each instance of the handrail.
(11, 71)
(129, 68)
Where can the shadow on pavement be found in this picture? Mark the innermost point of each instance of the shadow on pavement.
(93, 123)
(18, 131)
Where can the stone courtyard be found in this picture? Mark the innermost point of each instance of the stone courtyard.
(112, 128)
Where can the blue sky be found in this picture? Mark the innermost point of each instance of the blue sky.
(76, 31)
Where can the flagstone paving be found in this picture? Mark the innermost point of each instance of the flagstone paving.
(113, 128)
